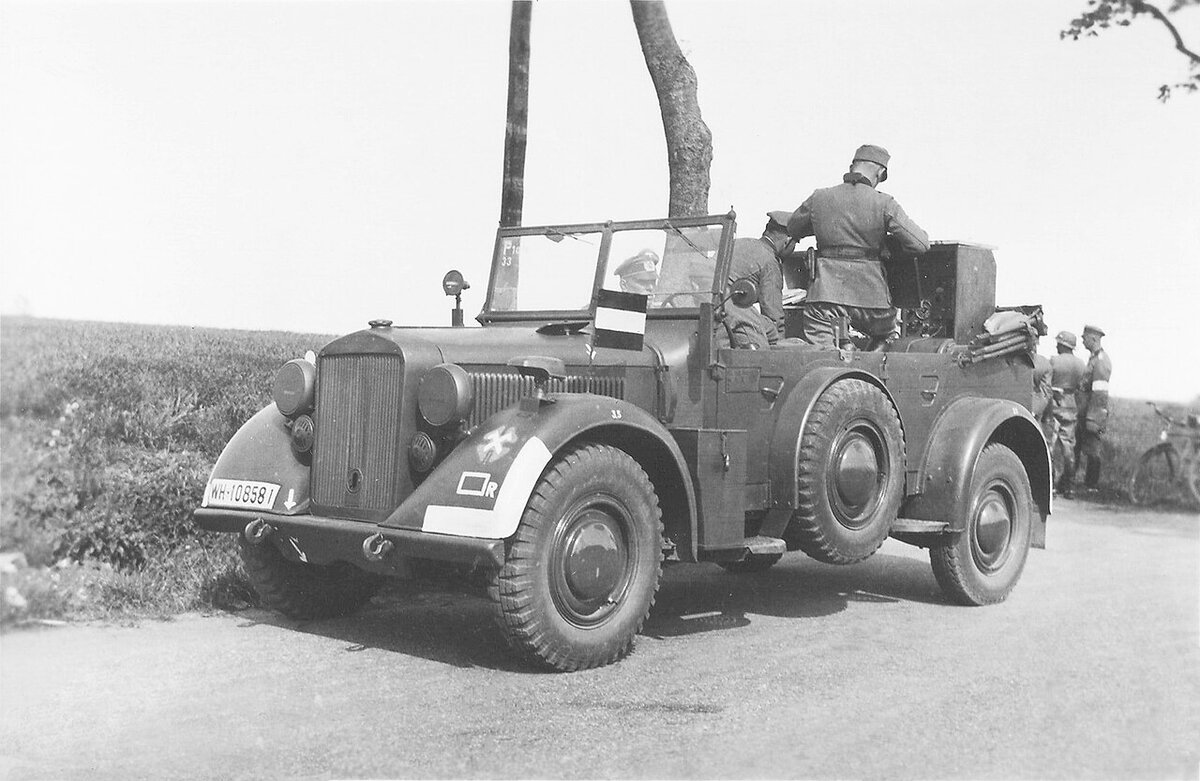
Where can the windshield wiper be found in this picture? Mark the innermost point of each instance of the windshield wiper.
(556, 236)
(691, 243)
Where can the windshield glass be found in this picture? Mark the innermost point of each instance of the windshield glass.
(555, 270)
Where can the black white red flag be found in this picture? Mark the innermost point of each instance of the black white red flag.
(620, 320)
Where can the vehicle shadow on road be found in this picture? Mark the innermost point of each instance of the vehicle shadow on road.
(451, 623)
(706, 598)
(441, 622)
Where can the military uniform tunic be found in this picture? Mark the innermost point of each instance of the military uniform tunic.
(1094, 387)
(1066, 378)
(745, 327)
(851, 222)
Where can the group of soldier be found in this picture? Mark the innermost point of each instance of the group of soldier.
(1071, 401)
(852, 223)
(855, 227)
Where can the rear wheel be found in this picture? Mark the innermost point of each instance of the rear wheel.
(305, 591)
(983, 563)
(849, 474)
(581, 572)
(1154, 479)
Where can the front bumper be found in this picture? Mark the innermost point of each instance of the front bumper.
(320, 540)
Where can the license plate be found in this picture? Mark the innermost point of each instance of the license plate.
(240, 493)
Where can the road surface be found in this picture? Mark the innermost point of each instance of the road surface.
(1091, 669)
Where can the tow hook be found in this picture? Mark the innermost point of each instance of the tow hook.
(257, 530)
(376, 547)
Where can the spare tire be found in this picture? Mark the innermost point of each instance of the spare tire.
(849, 474)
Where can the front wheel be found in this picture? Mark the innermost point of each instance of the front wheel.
(1154, 479)
(981, 564)
(582, 570)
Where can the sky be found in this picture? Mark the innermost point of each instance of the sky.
(309, 166)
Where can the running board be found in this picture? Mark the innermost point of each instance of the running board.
(911, 526)
(765, 545)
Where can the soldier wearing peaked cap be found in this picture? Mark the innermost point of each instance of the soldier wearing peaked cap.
(1093, 406)
(759, 261)
(852, 221)
(639, 274)
(1066, 376)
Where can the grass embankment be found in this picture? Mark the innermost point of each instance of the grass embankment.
(109, 432)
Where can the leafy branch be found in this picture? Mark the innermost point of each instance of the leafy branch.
(1103, 14)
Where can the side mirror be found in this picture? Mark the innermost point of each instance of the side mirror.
(744, 293)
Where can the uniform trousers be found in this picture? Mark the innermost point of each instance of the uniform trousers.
(819, 322)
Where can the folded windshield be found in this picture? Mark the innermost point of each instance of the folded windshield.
(557, 269)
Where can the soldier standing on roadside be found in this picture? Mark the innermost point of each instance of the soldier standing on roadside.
(758, 261)
(1093, 408)
(1066, 375)
(851, 222)
(1043, 396)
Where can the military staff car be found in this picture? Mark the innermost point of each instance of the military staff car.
(585, 435)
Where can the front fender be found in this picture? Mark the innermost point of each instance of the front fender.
(960, 433)
(785, 442)
(481, 488)
(261, 452)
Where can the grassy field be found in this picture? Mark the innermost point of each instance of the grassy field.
(109, 432)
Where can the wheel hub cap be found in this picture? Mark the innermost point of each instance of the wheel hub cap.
(856, 478)
(993, 528)
(593, 562)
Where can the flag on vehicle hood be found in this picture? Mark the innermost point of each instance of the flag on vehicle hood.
(620, 320)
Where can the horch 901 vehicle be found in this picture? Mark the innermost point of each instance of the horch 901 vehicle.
(585, 435)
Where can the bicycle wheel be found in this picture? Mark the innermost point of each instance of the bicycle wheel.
(1154, 479)
(1191, 479)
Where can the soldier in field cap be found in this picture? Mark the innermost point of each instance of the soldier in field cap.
(1066, 375)
(757, 259)
(1093, 407)
(852, 221)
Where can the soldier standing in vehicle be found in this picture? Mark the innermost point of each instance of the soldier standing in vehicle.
(1093, 411)
(1066, 376)
(759, 261)
(852, 222)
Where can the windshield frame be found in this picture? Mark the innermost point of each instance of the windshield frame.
(726, 222)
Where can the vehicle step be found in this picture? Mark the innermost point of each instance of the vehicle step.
(762, 544)
(913, 525)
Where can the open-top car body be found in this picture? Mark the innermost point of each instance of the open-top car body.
(566, 471)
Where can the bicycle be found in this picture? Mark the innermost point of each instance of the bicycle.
(1170, 467)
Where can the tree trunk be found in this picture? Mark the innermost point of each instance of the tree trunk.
(516, 129)
(689, 141)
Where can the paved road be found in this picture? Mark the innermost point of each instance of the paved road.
(1090, 670)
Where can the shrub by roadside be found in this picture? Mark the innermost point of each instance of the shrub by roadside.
(192, 578)
(109, 432)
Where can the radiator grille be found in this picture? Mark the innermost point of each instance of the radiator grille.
(495, 390)
(357, 460)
